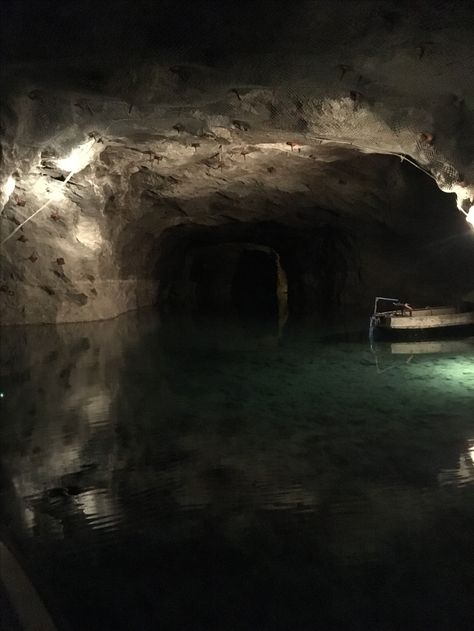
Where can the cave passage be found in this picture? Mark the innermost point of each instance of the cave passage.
(265, 270)
(241, 280)
(199, 203)
(255, 284)
(236, 279)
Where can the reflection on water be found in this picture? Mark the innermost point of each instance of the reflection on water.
(206, 476)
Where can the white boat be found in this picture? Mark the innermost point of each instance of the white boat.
(404, 319)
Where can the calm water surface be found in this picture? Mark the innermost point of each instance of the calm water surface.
(200, 476)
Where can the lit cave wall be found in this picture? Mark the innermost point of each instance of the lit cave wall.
(341, 150)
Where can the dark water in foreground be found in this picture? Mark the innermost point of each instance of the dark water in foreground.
(206, 477)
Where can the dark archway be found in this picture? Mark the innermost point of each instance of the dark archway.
(244, 280)
(196, 266)
(255, 284)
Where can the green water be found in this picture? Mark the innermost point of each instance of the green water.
(206, 475)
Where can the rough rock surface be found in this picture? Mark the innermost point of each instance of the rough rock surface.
(310, 128)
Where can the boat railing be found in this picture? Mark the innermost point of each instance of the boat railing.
(382, 299)
(374, 318)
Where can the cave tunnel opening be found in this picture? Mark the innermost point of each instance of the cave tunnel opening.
(244, 280)
(389, 231)
(262, 270)
(255, 284)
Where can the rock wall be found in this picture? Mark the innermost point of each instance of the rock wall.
(248, 130)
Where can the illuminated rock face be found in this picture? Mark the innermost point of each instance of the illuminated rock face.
(212, 142)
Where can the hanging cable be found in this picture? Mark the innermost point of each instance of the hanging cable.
(45, 205)
(80, 166)
(402, 156)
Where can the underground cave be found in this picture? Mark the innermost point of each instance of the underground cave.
(199, 204)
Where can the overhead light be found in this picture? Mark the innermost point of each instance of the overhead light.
(78, 159)
(9, 186)
(470, 216)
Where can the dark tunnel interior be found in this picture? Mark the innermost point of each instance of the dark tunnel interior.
(255, 284)
(256, 267)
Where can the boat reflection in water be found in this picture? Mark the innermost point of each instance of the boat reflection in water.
(433, 347)
(387, 355)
